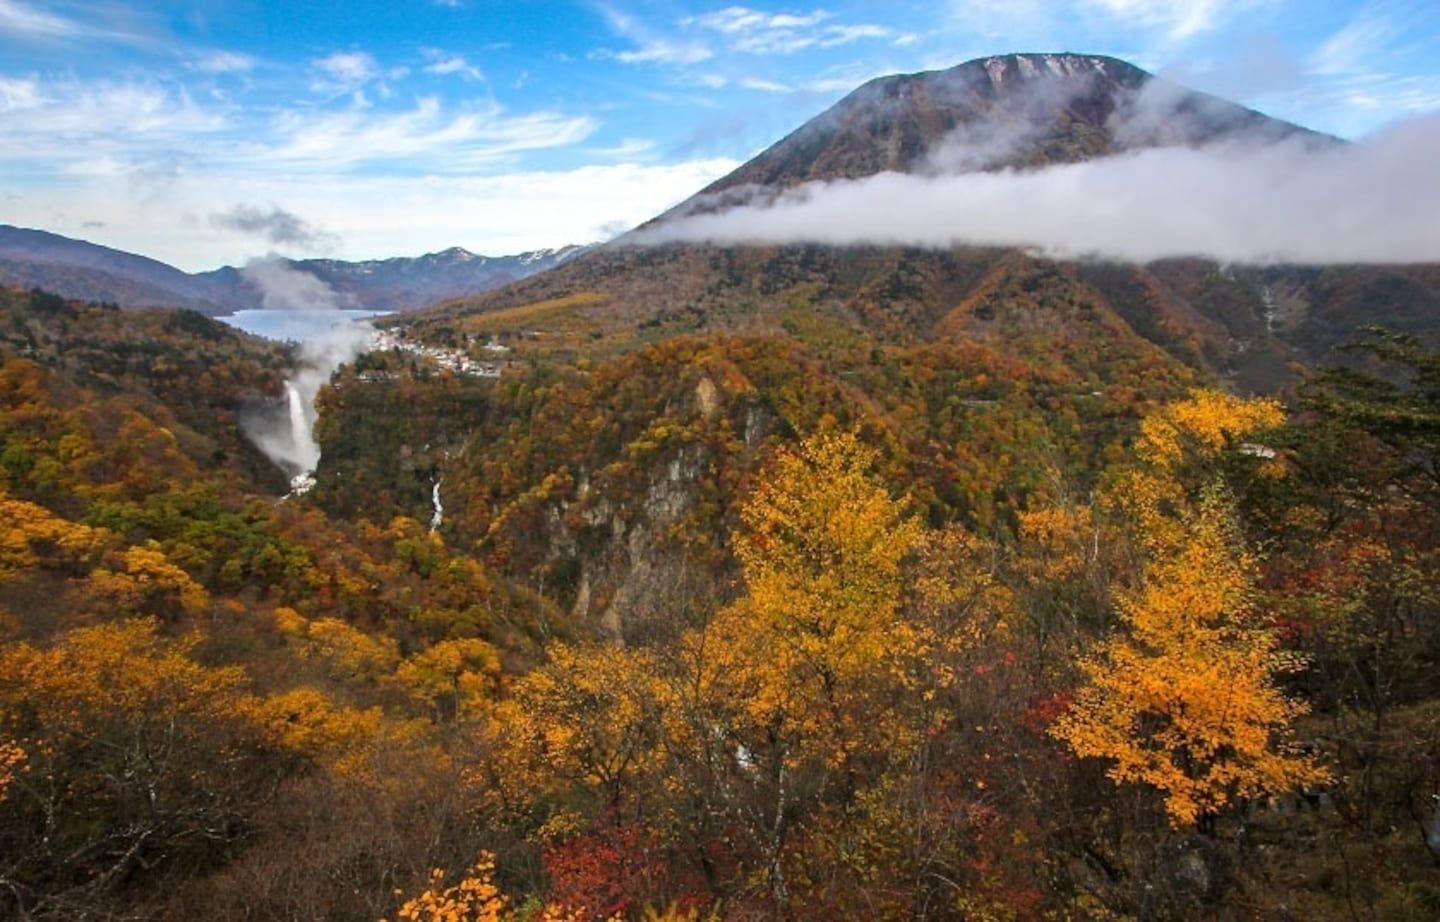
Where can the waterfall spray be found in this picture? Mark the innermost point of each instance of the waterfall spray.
(307, 452)
(304, 453)
(287, 434)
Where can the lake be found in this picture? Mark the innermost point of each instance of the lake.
(295, 325)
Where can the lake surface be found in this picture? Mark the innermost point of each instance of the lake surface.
(297, 326)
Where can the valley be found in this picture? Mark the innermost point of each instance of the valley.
(693, 578)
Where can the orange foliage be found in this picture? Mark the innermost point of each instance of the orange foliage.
(1185, 699)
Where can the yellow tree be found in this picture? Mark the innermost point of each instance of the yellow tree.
(792, 689)
(143, 580)
(455, 677)
(139, 760)
(584, 723)
(1184, 698)
(33, 537)
(821, 553)
(12, 759)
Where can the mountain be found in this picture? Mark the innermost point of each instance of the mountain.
(79, 269)
(406, 283)
(1014, 112)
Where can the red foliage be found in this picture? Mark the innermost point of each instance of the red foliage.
(1044, 711)
(615, 871)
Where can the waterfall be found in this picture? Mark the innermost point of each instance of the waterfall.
(307, 453)
(304, 453)
(439, 515)
(286, 433)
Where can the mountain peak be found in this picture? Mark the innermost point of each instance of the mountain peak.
(1043, 66)
(1009, 111)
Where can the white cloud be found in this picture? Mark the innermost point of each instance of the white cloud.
(509, 213)
(51, 120)
(442, 64)
(1178, 18)
(628, 149)
(18, 93)
(739, 20)
(1287, 202)
(1356, 47)
(283, 287)
(122, 129)
(650, 46)
(344, 72)
(224, 62)
(495, 215)
(22, 18)
(741, 30)
(101, 23)
(844, 35)
(426, 137)
(1373, 69)
(764, 86)
(666, 52)
(753, 32)
(1027, 25)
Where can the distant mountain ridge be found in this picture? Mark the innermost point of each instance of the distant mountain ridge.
(79, 269)
(88, 271)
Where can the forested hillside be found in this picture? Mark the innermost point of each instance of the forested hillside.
(807, 621)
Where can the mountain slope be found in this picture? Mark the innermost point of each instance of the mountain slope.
(1008, 112)
(79, 269)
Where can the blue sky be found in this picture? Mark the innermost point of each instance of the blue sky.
(214, 131)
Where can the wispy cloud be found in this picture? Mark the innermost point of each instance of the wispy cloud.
(661, 51)
(223, 62)
(117, 128)
(20, 93)
(28, 21)
(276, 226)
(629, 149)
(764, 86)
(1368, 66)
(650, 45)
(344, 72)
(444, 64)
(48, 118)
(1358, 46)
(739, 20)
(426, 137)
(751, 31)
(1179, 19)
(18, 18)
(1151, 24)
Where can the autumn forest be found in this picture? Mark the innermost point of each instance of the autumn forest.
(808, 622)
